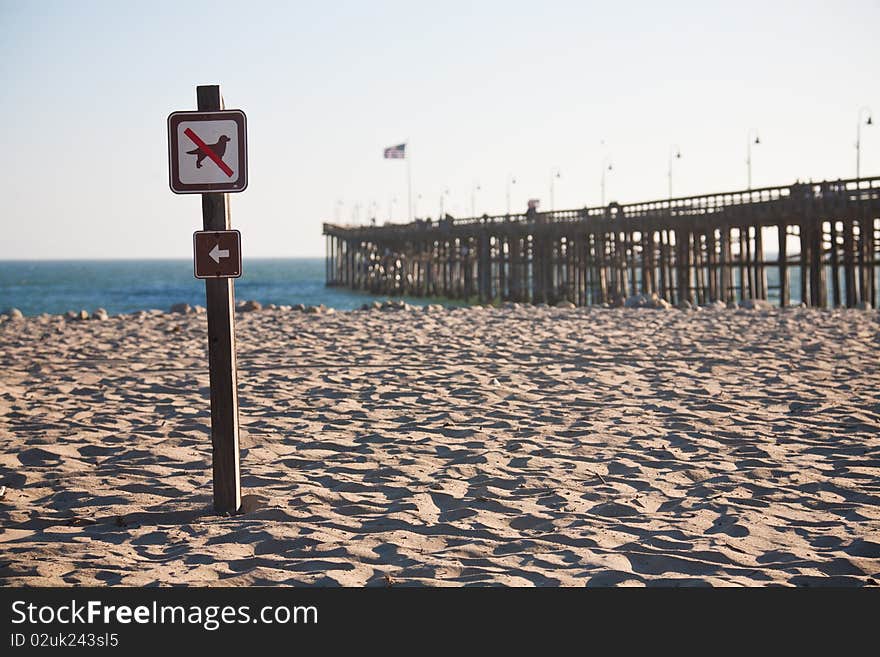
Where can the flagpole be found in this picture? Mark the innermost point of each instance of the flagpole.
(408, 157)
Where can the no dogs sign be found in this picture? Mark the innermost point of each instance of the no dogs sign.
(207, 152)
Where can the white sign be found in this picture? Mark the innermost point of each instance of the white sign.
(207, 151)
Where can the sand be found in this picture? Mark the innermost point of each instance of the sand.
(520, 446)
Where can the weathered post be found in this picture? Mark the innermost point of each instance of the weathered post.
(760, 272)
(212, 169)
(220, 293)
(849, 271)
(817, 264)
(782, 235)
(835, 262)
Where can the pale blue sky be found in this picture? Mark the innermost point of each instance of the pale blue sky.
(480, 89)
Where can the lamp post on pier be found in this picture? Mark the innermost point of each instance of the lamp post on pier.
(554, 174)
(442, 199)
(674, 154)
(474, 189)
(510, 181)
(606, 167)
(391, 201)
(749, 143)
(870, 121)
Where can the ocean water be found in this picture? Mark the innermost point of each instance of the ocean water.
(124, 286)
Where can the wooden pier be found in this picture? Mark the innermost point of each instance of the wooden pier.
(696, 249)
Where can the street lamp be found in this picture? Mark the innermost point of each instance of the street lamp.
(859, 137)
(391, 201)
(474, 189)
(554, 174)
(749, 143)
(674, 154)
(510, 181)
(606, 166)
(442, 198)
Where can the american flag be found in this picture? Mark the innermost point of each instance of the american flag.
(395, 152)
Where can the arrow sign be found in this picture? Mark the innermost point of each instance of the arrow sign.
(217, 253)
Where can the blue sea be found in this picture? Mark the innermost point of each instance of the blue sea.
(124, 286)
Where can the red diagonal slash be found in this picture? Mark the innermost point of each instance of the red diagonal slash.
(207, 150)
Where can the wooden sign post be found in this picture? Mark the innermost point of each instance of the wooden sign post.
(208, 154)
(220, 293)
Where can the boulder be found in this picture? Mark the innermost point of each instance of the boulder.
(83, 315)
(652, 300)
(271, 306)
(199, 310)
(250, 306)
(300, 307)
(637, 301)
(182, 308)
(756, 304)
(13, 313)
(716, 305)
(864, 305)
(565, 304)
(100, 314)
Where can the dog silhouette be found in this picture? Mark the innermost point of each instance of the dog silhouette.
(219, 148)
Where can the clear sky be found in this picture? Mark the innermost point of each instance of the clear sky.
(480, 90)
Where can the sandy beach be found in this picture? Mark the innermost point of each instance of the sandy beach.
(517, 446)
